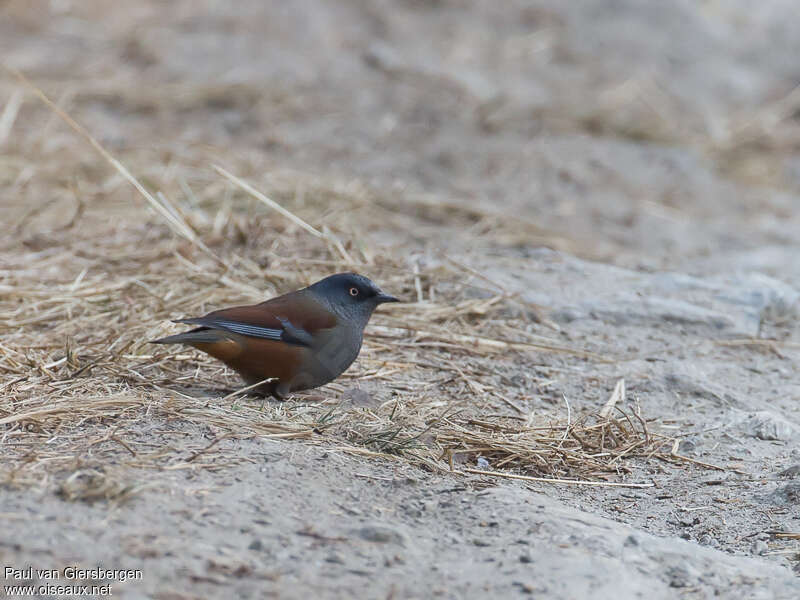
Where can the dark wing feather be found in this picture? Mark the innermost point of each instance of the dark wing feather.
(245, 329)
(292, 319)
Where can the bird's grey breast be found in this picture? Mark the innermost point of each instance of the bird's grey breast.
(335, 349)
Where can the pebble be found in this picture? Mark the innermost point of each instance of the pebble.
(256, 545)
(381, 534)
(334, 559)
(679, 577)
(786, 494)
(759, 548)
(765, 425)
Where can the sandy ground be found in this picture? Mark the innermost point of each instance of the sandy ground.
(629, 167)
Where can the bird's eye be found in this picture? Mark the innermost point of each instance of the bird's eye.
(353, 291)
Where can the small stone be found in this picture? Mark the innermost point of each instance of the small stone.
(678, 577)
(688, 521)
(384, 57)
(792, 471)
(255, 545)
(765, 425)
(708, 540)
(526, 559)
(381, 534)
(786, 494)
(483, 463)
(525, 587)
(759, 548)
(334, 559)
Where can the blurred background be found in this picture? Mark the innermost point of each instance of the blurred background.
(649, 134)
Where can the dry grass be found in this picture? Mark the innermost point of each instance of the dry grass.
(89, 272)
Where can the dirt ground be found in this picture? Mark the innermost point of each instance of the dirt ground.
(567, 194)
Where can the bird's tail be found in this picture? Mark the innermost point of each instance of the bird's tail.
(201, 335)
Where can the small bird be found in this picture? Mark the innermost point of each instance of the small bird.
(302, 340)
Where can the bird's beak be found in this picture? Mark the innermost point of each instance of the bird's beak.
(381, 298)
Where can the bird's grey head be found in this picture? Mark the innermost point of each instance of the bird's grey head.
(350, 295)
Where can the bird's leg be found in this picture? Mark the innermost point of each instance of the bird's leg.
(281, 391)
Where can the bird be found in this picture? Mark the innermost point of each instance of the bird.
(300, 341)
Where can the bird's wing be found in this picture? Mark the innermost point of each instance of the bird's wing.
(292, 319)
